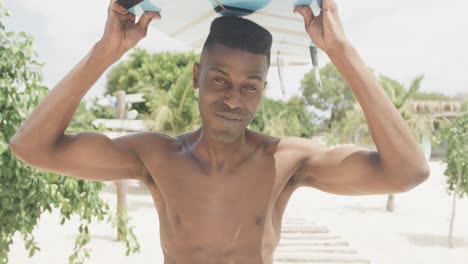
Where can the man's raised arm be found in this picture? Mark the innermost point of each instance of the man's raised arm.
(41, 141)
(398, 165)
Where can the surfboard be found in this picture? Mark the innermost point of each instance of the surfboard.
(189, 22)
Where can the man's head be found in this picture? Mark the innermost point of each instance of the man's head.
(239, 33)
(231, 75)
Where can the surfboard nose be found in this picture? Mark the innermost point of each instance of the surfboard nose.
(137, 7)
(238, 7)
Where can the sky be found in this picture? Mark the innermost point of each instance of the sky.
(400, 39)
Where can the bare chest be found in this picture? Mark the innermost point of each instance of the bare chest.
(237, 211)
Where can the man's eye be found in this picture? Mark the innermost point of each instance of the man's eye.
(221, 81)
(250, 88)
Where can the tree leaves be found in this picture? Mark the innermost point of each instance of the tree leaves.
(280, 119)
(148, 72)
(334, 98)
(353, 128)
(26, 192)
(455, 134)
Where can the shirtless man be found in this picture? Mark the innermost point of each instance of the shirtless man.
(220, 191)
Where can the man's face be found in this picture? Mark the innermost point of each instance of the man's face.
(231, 83)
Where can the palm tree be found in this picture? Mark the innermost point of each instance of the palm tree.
(173, 111)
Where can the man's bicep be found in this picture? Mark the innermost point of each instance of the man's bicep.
(346, 170)
(92, 156)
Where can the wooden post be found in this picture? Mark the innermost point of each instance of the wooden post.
(120, 112)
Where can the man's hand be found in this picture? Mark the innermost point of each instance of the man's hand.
(121, 33)
(325, 30)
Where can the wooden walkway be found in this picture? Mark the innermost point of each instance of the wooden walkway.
(305, 242)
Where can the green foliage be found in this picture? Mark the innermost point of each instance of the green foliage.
(174, 111)
(353, 128)
(82, 120)
(280, 119)
(142, 70)
(102, 111)
(121, 222)
(335, 97)
(455, 134)
(27, 192)
(397, 92)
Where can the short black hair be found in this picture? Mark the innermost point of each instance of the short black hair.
(239, 33)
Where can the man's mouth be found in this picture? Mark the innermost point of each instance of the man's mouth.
(229, 118)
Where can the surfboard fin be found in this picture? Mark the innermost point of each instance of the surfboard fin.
(279, 62)
(313, 56)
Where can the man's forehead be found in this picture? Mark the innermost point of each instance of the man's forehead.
(251, 73)
(248, 63)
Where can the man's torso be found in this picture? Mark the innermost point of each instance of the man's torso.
(206, 217)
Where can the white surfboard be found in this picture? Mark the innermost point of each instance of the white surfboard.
(189, 22)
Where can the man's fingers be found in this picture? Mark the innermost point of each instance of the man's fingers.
(306, 13)
(116, 7)
(128, 17)
(145, 20)
(329, 6)
(331, 16)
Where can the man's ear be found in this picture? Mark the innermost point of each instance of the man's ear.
(265, 85)
(196, 75)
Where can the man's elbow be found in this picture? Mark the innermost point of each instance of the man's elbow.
(13, 144)
(415, 177)
(422, 173)
(18, 149)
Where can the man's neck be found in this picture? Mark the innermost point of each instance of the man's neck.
(218, 154)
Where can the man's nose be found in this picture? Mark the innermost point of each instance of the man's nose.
(232, 98)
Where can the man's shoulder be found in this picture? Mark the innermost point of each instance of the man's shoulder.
(296, 145)
(151, 135)
(262, 141)
(284, 144)
(151, 140)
